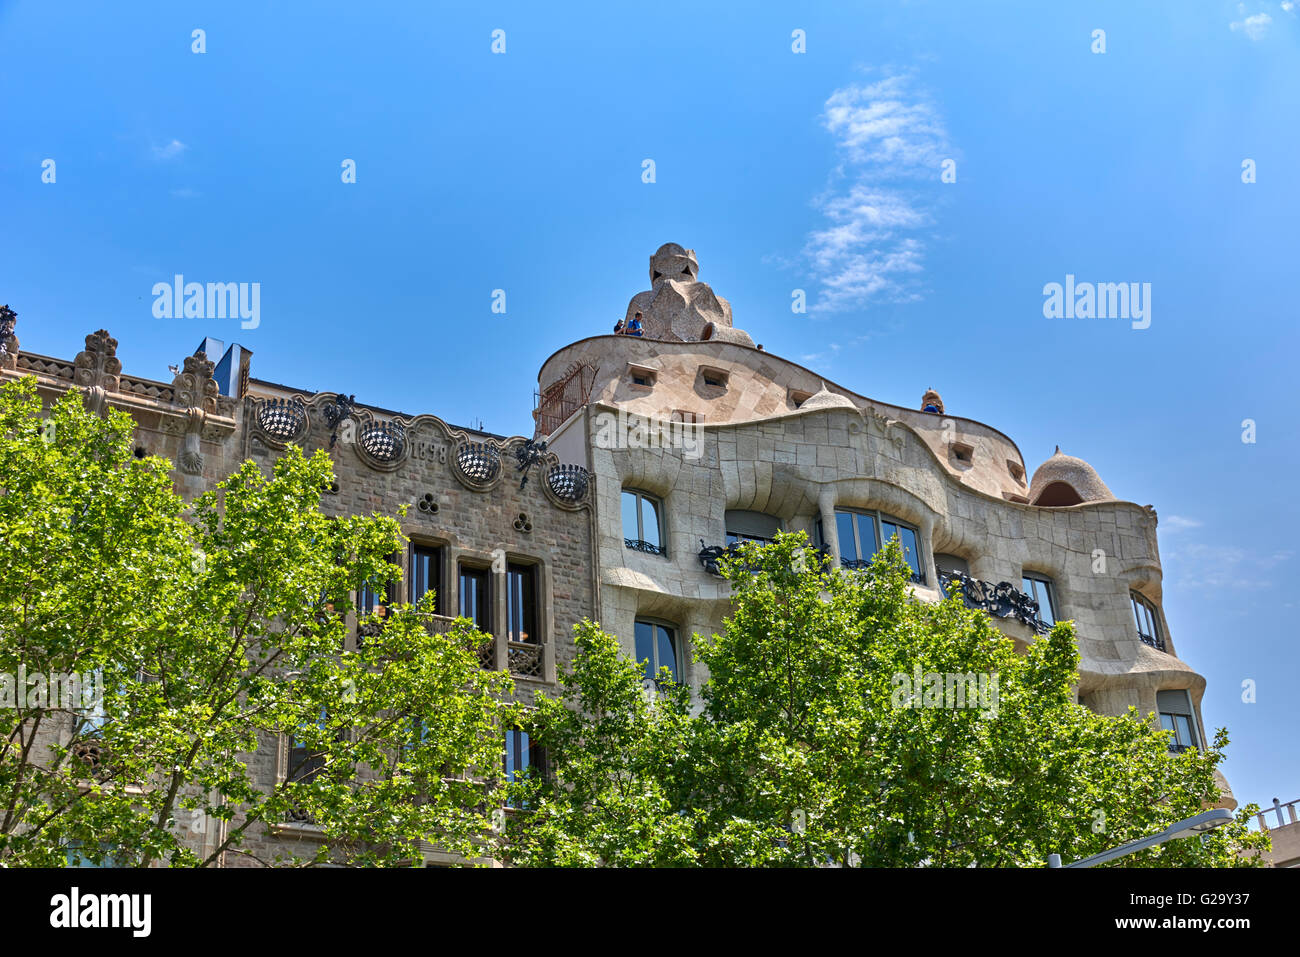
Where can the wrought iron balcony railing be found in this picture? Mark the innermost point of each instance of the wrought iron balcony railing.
(861, 563)
(1155, 642)
(639, 546)
(711, 554)
(1003, 600)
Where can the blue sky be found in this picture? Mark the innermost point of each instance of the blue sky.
(818, 171)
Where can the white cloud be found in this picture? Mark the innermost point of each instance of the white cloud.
(1177, 523)
(1288, 6)
(170, 151)
(1224, 566)
(1254, 26)
(885, 134)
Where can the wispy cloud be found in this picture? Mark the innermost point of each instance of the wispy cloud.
(1178, 523)
(168, 151)
(818, 357)
(1224, 566)
(1256, 25)
(886, 134)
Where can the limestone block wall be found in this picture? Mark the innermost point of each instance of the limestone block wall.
(802, 465)
(759, 385)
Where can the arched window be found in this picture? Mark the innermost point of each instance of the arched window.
(862, 534)
(746, 526)
(1040, 589)
(656, 647)
(1175, 708)
(1148, 622)
(643, 523)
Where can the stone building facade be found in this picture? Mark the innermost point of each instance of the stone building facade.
(697, 438)
(654, 453)
(497, 527)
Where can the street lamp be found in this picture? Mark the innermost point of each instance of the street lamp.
(1203, 822)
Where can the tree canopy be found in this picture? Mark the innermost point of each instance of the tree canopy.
(214, 632)
(844, 721)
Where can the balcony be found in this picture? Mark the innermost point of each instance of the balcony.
(858, 564)
(639, 546)
(1003, 600)
(710, 555)
(1155, 642)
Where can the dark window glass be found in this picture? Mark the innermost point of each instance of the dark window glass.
(375, 593)
(521, 609)
(656, 647)
(631, 525)
(907, 539)
(649, 521)
(474, 597)
(426, 575)
(863, 534)
(1144, 613)
(641, 522)
(848, 543)
(1040, 590)
(522, 755)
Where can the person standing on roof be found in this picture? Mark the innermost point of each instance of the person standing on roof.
(634, 328)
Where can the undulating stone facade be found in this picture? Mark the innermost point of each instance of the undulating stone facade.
(695, 440)
(659, 451)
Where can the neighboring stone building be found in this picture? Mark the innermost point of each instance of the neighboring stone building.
(498, 528)
(1285, 834)
(697, 439)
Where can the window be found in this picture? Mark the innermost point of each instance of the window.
(426, 575)
(862, 534)
(951, 563)
(641, 375)
(474, 597)
(375, 594)
(1175, 708)
(1147, 622)
(714, 378)
(521, 606)
(522, 756)
(746, 526)
(656, 647)
(641, 523)
(108, 855)
(1039, 588)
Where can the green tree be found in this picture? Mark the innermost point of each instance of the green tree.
(214, 630)
(814, 742)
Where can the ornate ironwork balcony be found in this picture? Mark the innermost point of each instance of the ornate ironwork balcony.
(526, 659)
(1180, 748)
(383, 441)
(858, 564)
(1156, 642)
(710, 555)
(639, 546)
(282, 419)
(478, 461)
(568, 482)
(1002, 600)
